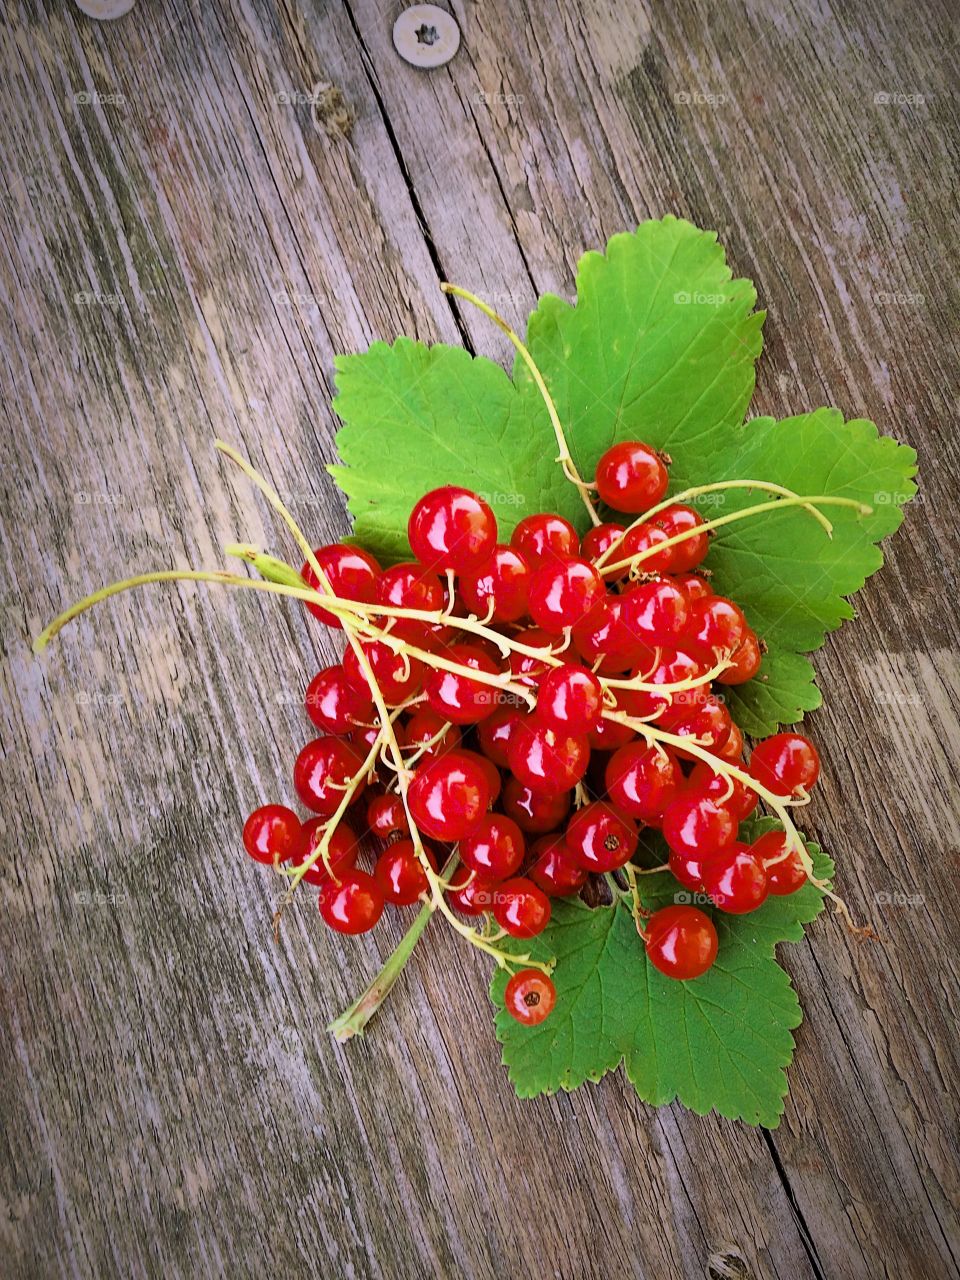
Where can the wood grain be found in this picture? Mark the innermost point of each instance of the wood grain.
(182, 252)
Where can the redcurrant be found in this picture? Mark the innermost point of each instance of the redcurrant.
(530, 997)
(562, 592)
(521, 908)
(600, 838)
(681, 942)
(543, 538)
(353, 904)
(323, 769)
(336, 704)
(735, 880)
(448, 796)
(570, 699)
(501, 584)
(452, 528)
(547, 759)
(786, 764)
(271, 833)
(495, 847)
(631, 477)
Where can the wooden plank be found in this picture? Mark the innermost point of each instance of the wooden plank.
(230, 248)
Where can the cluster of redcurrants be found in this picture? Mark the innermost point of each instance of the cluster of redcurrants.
(522, 677)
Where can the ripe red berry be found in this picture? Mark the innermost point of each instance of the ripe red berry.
(685, 555)
(735, 880)
(502, 581)
(342, 849)
(452, 528)
(600, 838)
(352, 905)
(641, 781)
(555, 870)
(386, 816)
(534, 811)
(674, 667)
(457, 697)
(704, 718)
(469, 893)
(398, 675)
(646, 539)
(530, 997)
(786, 764)
(429, 726)
(271, 833)
(730, 792)
(695, 586)
(400, 875)
(489, 771)
(698, 826)
(544, 538)
(631, 477)
(716, 625)
(495, 733)
(600, 637)
(448, 796)
(524, 668)
(656, 612)
(495, 847)
(746, 662)
(688, 869)
(681, 942)
(411, 586)
(570, 699)
(547, 759)
(351, 572)
(322, 770)
(598, 540)
(732, 749)
(335, 704)
(786, 876)
(521, 908)
(609, 735)
(561, 593)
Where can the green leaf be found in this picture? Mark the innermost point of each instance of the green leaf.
(721, 1042)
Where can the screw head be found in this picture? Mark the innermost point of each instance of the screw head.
(426, 36)
(104, 8)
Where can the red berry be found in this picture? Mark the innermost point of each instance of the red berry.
(398, 675)
(342, 849)
(735, 879)
(448, 796)
(674, 667)
(746, 662)
(411, 586)
(696, 587)
(704, 719)
(783, 877)
(600, 637)
(457, 697)
(732, 749)
(609, 735)
(534, 811)
(688, 869)
(570, 699)
(544, 538)
(503, 581)
(529, 997)
(400, 875)
(716, 625)
(469, 893)
(489, 771)
(335, 704)
(429, 726)
(656, 612)
(495, 848)
(353, 905)
(322, 770)
(555, 870)
(786, 764)
(271, 833)
(351, 572)
(681, 942)
(631, 477)
(685, 555)
(547, 759)
(561, 593)
(641, 781)
(452, 528)
(521, 908)
(730, 792)
(698, 825)
(600, 838)
(598, 540)
(495, 733)
(386, 816)
(525, 669)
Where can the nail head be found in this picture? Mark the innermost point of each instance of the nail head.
(426, 36)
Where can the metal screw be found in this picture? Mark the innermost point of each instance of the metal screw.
(426, 36)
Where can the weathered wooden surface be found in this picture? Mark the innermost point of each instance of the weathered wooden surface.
(182, 252)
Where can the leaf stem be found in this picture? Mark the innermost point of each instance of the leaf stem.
(566, 461)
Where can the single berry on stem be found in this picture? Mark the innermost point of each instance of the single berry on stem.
(502, 582)
(323, 770)
(641, 781)
(495, 847)
(555, 870)
(561, 593)
(598, 540)
(520, 907)
(787, 874)
(495, 733)
(681, 942)
(601, 839)
(342, 849)
(543, 538)
(448, 796)
(547, 759)
(353, 904)
(400, 874)
(631, 477)
(351, 572)
(457, 697)
(535, 812)
(570, 699)
(530, 997)
(270, 833)
(452, 528)
(697, 825)
(335, 704)
(386, 816)
(786, 764)
(735, 879)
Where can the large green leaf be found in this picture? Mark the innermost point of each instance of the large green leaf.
(721, 1042)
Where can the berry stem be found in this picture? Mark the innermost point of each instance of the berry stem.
(564, 458)
(686, 494)
(633, 562)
